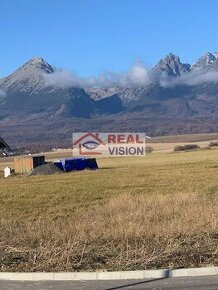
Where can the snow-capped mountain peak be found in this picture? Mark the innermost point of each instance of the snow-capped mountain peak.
(206, 62)
(38, 63)
(29, 77)
(169, 67)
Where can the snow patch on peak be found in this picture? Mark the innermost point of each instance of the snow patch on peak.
(215, 54)
(38, 63)
(210, 57)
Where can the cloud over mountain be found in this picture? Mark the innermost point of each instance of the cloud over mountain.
(192, 79)
(170, 88)
(137, 76)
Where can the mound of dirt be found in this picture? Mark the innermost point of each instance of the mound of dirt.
(46, 169)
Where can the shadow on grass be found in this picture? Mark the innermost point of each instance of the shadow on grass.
(107, 168)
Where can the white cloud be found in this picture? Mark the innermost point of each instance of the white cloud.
(191, 79)
(137, 75)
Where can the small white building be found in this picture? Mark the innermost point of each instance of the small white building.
(7, 171)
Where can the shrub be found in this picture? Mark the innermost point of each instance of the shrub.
(148, 149)
(213, 144)
(187, 147)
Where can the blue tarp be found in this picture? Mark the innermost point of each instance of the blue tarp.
(70, 164)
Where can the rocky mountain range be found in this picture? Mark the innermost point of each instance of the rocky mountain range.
(174, 93)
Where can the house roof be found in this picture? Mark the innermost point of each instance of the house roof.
(3, 144)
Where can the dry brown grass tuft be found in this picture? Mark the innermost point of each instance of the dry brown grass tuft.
(128, 232)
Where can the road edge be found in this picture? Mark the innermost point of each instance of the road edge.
(119, 275)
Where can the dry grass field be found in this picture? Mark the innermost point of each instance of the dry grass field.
(184, 138)
(134, 213)
(167, 143)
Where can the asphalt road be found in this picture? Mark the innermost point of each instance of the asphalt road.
(195, 283)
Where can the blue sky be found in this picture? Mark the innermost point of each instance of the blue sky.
(90, 36)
